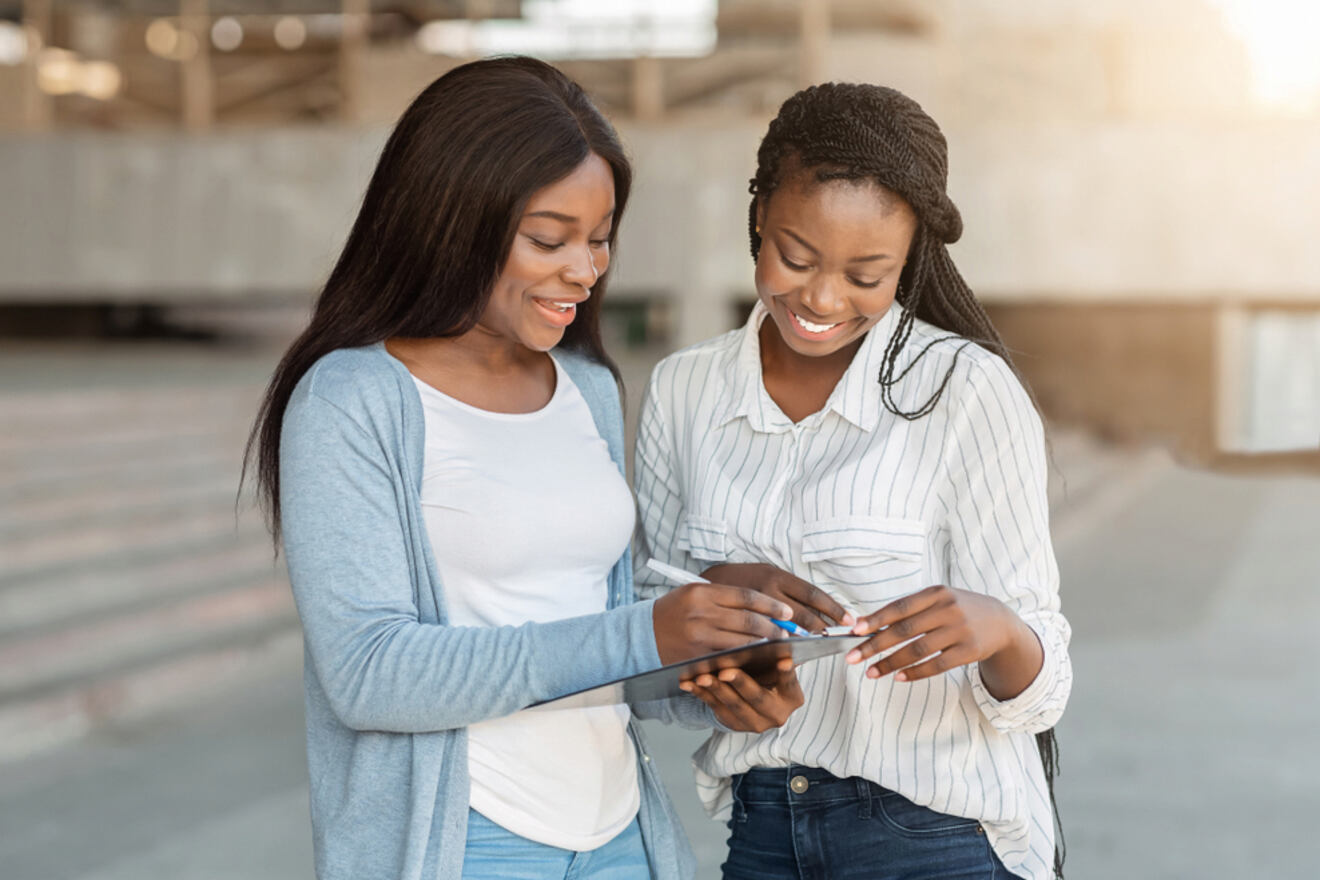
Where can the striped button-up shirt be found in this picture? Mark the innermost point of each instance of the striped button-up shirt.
(870, 506)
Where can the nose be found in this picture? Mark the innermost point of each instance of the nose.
(821, 296)
(581, 268)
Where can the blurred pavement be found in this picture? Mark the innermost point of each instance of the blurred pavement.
(1188, 748)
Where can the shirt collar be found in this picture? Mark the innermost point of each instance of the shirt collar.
(856, 398)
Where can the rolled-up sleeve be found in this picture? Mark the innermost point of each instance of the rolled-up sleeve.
(999, 533)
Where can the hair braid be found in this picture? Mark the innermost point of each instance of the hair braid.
(857, 131)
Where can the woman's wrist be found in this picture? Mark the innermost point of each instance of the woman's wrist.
(1011, 670)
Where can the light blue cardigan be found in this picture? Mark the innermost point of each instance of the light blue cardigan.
(390, 688)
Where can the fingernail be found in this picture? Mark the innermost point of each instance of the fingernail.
(853, 656)
(685, 686)
(728, 674)
(785, 613)
(873, 673)
(849, 620)
(901, 676)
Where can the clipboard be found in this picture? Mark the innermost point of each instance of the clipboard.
(757, 659)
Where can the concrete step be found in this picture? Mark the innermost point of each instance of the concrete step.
(133, 579)
(118, 445)
(33, 665)
(83, 507)
(84, 476)
(155, 530)
(71, 408)
(43, 721)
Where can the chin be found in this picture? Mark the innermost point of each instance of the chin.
(541, 340)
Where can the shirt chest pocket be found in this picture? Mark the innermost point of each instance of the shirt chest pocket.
(869, 560)
(704, 538)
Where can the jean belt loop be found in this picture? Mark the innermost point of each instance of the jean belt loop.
(865, 791)
(739, 813)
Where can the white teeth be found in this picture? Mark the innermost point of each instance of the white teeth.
(559, 307)
(813, 328)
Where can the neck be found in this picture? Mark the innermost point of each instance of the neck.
(478, 350)
(779, 361)
(798, 384)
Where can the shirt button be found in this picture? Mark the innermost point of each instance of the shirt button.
(799, 784)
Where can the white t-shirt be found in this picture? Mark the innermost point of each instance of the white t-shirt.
(527, 513)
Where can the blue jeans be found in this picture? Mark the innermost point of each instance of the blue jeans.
(495, 853)
(801, 823)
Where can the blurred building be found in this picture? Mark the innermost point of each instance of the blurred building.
(1136, 176)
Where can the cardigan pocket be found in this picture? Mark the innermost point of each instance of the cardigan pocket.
(871, 560)
(705, 538)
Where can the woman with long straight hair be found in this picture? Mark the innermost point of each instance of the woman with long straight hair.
(864, 450)
(440, 453)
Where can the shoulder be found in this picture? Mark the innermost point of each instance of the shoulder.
(709, 360)
(589, 375)
(362, 382)
(983, 391)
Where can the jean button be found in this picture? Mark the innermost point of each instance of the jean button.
(799, 784)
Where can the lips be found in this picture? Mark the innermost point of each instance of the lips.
(812, 330)
(559, 312)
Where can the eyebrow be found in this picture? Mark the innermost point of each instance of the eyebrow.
(867, 259)
(565, 218)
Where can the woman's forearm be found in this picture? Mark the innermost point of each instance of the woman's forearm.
(1009, 671)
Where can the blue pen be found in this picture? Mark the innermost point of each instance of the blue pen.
(790, 627)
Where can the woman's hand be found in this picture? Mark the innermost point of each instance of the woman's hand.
(740, 703)
(698, 619)
(945, 628)
(812, 607)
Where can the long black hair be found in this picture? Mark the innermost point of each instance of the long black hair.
(858, 131)
(438, 220)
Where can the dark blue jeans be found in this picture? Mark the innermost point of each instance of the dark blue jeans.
(801, 823)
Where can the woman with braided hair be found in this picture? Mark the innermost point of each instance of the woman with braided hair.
(863, 450)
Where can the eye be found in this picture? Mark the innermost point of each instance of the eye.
(865, 284)
(600, 242)
(547, 246)
(796, 267)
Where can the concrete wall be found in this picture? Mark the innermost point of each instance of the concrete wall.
(1121, 196)
(1077, 211)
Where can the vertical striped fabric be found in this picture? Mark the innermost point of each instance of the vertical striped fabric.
(870, 506)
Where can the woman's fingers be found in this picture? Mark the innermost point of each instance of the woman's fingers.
(915, 651)
(811, 604)
(748, 599)
(814, 601)
(904, 607)
(788, 686)
(742, 703)
(700, 618)
(898, 632)
(940, 663)
(731, 711)
(746, 613)
(805, 616)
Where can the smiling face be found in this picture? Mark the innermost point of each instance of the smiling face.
(830, 259)
(560, 249)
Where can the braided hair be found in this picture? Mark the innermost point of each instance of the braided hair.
(857, 131)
